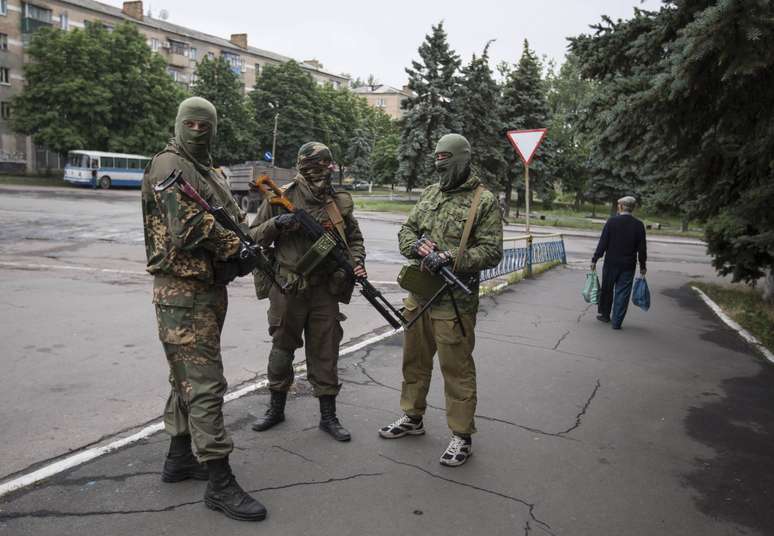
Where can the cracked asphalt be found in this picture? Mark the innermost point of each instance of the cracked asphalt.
(663, 427)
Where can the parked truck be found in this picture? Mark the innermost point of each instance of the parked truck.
(239, 178)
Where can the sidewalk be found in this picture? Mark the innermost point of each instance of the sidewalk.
(664, 427)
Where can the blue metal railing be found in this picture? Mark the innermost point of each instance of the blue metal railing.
(547, 248)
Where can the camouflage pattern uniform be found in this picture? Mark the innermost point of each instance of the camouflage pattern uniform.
(184, 245)
(310, 307)
(441, 215)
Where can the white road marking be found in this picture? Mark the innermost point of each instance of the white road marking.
(33, 266)
(746, 335)
(82, 457)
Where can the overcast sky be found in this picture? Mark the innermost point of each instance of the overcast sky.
(382, 37)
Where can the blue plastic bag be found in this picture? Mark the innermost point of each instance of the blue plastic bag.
(641, 294)
(591, 288)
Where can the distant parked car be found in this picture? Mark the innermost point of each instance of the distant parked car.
(356, 185)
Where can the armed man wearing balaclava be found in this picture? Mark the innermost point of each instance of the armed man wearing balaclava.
(191, 257)
(455, 208)
(309, 305)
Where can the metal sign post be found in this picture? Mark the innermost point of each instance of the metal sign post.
(526, 142)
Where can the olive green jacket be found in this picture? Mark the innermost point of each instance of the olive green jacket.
(181, 239)
(290, 246)
(441, 216)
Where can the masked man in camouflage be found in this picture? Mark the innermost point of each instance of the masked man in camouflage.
(192, 258)
(432, 235)
(310, 305)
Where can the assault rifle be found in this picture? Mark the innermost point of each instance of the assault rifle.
(450, 282)
(250, 247)
(333, 244)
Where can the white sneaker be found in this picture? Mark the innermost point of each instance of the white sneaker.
(403, 426)
(458, 451)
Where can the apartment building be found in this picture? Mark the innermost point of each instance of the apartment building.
(386, 98)
(181, 48)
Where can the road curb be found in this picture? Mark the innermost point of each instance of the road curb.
(746, 335)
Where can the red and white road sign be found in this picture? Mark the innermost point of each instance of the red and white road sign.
(526, 142)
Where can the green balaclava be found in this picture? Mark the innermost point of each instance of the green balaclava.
(195, 144)
(314, 159)
(454, 170)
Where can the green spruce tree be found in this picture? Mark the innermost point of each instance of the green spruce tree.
(683, 104)
(430, 113)
(479, 101)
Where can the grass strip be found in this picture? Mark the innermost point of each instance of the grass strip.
(746, 307)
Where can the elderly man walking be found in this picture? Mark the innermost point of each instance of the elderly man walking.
(622, 244)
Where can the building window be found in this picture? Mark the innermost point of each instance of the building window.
(257, 70)
(210, 56)
(380, 102)
(5, 110)
(3, 7)
(64, 20)
(3, 41)
(193, 54)
(5, 77)
(154, 44)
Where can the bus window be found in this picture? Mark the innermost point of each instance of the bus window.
(79, 160)
(94, 163)
(134, 163)
(107, 162)
(121, 163)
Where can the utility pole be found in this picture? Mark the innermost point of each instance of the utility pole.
(274, 145)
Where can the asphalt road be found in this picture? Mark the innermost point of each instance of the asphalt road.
(664, 427)
(82, 360)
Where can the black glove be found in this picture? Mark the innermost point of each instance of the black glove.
(286, 222)
(436, 260)
(247, 260)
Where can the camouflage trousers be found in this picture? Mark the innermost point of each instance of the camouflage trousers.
(190, 317)
(438, 331)
(314, 314)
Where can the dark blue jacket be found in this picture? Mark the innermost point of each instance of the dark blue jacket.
(622, 243)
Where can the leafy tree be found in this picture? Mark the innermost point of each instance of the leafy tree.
(289, 91)
(524, 107)
(685, 105)
(216, 82)
(94, 89)
(359, 155)
(430, 113)
(568, 97)
(479, 100)
(384, 159)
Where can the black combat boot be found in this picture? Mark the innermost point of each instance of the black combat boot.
(180, 463)
(224, 494)
(328, 421)
(275, 414)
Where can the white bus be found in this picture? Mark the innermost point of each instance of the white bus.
(103, 170)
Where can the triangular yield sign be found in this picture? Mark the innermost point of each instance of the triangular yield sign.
(526, 142)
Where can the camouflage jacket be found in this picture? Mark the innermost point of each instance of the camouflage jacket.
(289, 247)
(442, 216)
(181, 239)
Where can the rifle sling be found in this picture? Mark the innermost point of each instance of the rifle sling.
(468, 226)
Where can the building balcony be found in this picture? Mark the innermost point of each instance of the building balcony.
(178, 60)
(29, 25)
